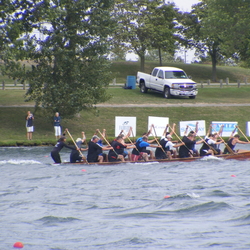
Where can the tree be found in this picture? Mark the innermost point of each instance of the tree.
(199, 32)
(231, 21)
(161, 29)
(144, 25)
(69, 69)
(214, 27)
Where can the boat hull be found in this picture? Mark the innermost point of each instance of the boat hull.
(243, 155)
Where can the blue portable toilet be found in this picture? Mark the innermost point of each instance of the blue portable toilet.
(131, 81)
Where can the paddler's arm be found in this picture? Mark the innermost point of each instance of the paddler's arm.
(232, 134)
(221, 130)
(185, 132)
(150, 130)
(209, 130)
(173, 129)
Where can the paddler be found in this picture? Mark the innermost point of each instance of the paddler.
(233, 140)
(95, 153)
(75, 154)
(58, 147)
(141, 151)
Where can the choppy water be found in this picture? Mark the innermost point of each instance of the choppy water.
(68, 207)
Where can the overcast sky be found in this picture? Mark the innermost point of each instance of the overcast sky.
(185, 5)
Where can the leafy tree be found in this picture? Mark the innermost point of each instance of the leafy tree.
(214, 27)
(231, 20)
(200, 33)
(69, 70)
(161, 29)
(143, 25)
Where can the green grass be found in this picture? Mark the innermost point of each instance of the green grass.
(14, 132)
(13, 122)
(134, 96)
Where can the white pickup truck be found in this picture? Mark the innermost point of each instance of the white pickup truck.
(168, 80)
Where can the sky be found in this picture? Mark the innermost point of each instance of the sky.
(184, 5)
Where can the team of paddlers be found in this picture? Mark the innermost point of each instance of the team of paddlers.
(165, 147)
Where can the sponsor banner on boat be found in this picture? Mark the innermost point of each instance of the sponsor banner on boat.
(124, 123)
(201, 127)
(159, 123)
(248, 128)
(228, 128)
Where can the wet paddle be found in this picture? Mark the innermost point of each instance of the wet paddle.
(181, 141)
(242, 133)
(106, 140)
(155, 137)
(226, 145)
(214, 150)
(77, 146)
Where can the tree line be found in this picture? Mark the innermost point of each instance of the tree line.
(67, 43)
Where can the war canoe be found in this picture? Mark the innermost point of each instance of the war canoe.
(242, 155)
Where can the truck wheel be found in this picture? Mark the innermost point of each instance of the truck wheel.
(192, 97)
(166, 93)
(143, 88)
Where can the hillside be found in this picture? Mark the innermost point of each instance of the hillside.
(198, 72)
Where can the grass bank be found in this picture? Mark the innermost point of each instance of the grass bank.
(199, 72)
(14, 108)
(134, 96)
(14, 132)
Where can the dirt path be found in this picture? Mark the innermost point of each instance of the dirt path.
(173, 105)
(153, 105)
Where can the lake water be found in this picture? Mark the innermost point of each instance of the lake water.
(68, 207)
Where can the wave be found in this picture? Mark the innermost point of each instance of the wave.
(204, 208)
(19, 162)
(184, 196)
(55, 219)
(210, 158)
(244, 220)
(220, 193)
(146, 163)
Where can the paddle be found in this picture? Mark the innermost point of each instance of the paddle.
(242, 133)
(106, 140)
(228, 148)
(158, 141)
(181, 141)
(77, 146)
(215, 151)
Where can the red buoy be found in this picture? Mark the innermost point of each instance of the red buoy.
(18, 245)
(166, 196)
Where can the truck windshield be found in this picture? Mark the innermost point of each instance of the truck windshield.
(175, 75)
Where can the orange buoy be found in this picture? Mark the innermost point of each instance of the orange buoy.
(18, 245)
(166, 196)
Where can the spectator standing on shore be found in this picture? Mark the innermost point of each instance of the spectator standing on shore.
(29, 125)
(57, 126)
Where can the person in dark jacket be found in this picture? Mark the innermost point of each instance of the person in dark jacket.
(58, 147)
(95, 153)
(118, 153)
(29, 125)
